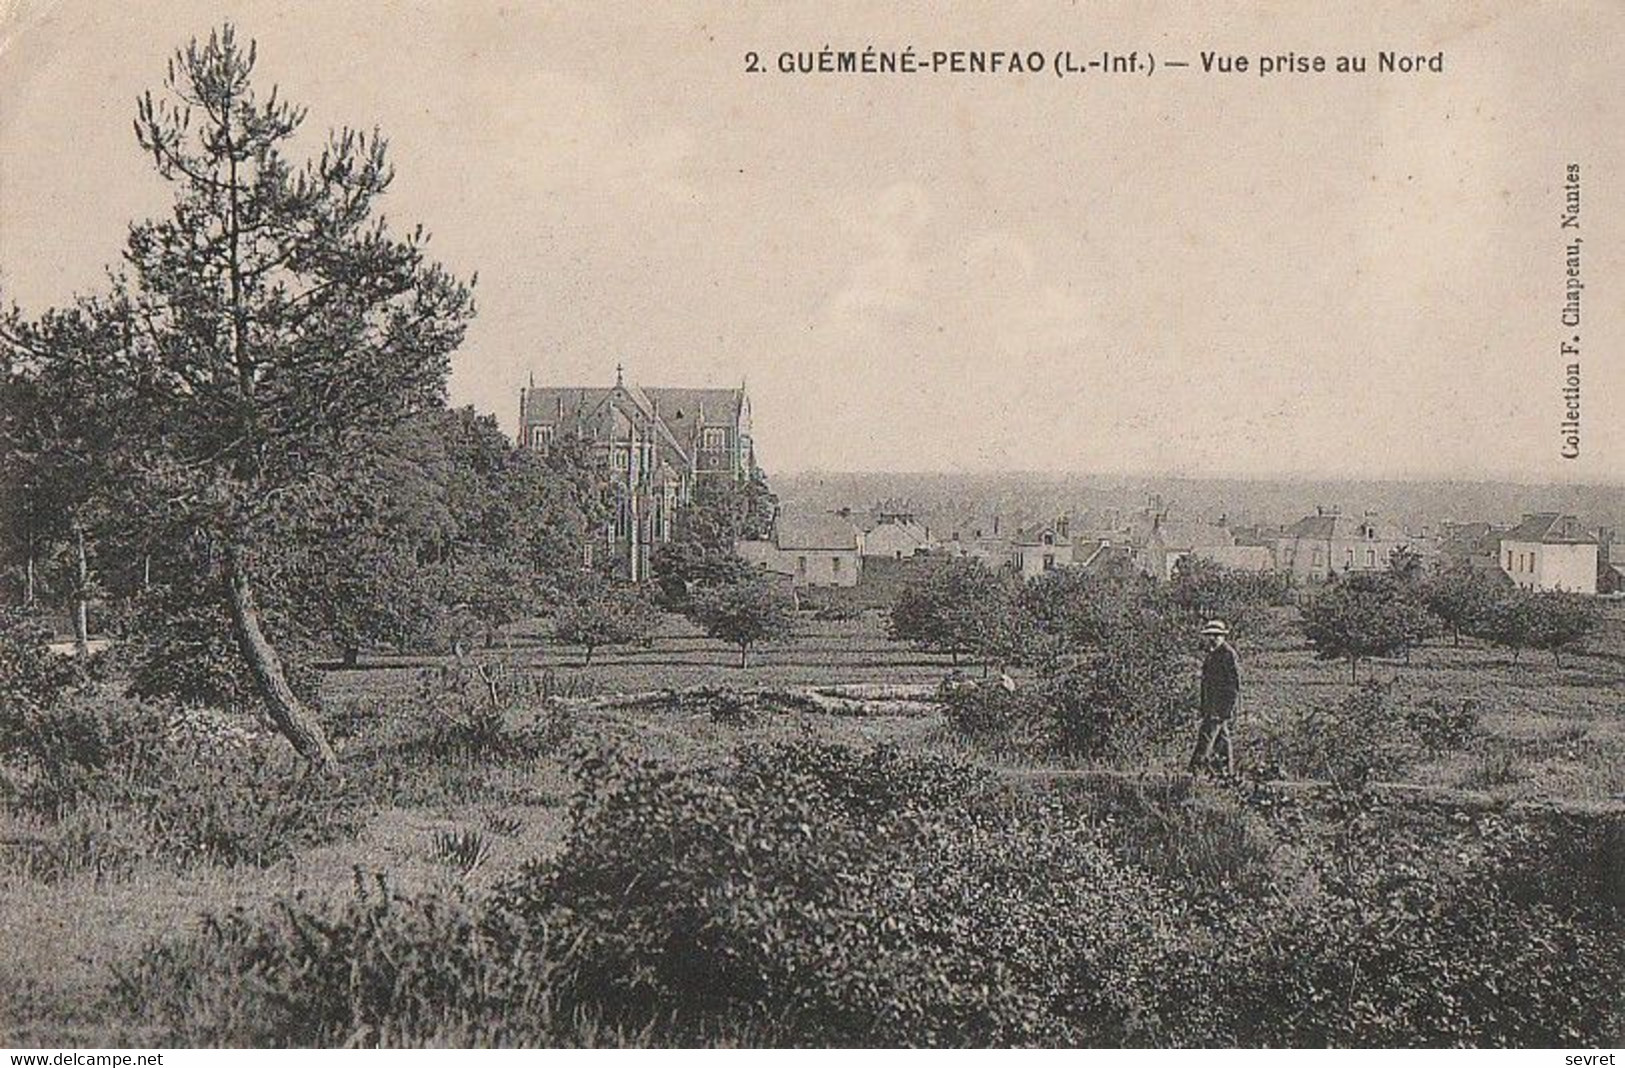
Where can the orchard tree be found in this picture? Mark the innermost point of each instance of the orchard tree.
(748, 611)
(1550, 620)
(1560, 621)
(269, 327)
(1355, 620)
(604, 613)
(955, 608)
(1464, 598)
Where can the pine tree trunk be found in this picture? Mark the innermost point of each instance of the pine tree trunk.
(81, 596)
(290, 717)
(28, 583)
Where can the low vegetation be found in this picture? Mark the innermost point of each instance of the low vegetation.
(809, 893)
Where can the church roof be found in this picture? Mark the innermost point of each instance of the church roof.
(682, 410)
(675, 414)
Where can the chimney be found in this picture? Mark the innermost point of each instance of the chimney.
(1063, 525)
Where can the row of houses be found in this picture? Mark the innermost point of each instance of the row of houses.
(1546, 551)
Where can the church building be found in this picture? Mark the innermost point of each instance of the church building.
(655, 443)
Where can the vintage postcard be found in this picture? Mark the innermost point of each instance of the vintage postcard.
(913, 525)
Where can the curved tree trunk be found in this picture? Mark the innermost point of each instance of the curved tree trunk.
(290, 717)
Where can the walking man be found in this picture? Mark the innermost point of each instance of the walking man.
(1221, 688)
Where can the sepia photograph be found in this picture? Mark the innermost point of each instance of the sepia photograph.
(919, 525)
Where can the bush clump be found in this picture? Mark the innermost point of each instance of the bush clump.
(813, 894)
(201, 786)
(385, 969)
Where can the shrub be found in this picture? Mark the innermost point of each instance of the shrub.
(1443, 724)
(384, 970)
(1135, 687)
(31, 677)
(255, 804)
(1403, 950)
(491, 710)
(812, 894)
(987, 711)
(75, 747)
(1364, 737)
(848, 897)
(201, 786)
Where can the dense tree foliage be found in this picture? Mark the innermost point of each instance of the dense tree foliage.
(1548, 620)
(250, 423)
(1203, 590)
(603, 613)
(745, 612)
(1464, 598)
(961, 608)
(1365, 616)
(723, 512)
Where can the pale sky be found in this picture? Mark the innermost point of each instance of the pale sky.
(1183, 273)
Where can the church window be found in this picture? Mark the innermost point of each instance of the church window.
(714, 438)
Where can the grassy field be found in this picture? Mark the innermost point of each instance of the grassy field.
(1545, 730)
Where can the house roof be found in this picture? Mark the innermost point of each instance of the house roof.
(1470, 539)
(1322, 527)
(1550, 528)
(1182, 535)
(1034, 535)
(914, 531)
(815, 530)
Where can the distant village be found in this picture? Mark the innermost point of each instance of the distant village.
(1542, 551)
(659, 443)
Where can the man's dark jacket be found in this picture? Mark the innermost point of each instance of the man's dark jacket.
(1221, 683)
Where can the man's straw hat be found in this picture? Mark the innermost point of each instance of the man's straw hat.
(1216, 627)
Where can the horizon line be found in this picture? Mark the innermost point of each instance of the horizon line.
(1525, 479)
